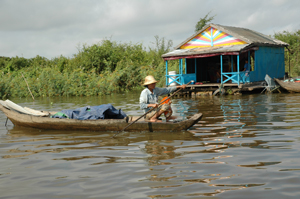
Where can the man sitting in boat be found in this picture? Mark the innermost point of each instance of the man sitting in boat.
(149, 99)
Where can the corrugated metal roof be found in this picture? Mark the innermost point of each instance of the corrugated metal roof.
(252, 38)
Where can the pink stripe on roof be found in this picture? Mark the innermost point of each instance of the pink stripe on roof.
(221, 37)
(202, 39)
(196, 44)
(228, 42)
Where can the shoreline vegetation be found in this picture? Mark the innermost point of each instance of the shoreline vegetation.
(102, 69)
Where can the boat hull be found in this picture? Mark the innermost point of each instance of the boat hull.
(25, 120)
(289, 86)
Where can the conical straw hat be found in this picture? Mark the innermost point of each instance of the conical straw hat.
(149, 80)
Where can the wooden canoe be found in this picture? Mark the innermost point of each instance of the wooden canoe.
(45, 122)
(289, 86)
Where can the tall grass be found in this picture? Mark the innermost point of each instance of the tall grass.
(101, 69)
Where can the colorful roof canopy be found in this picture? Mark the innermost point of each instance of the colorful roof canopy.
(212, 39)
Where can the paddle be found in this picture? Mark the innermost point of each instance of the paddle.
(150, 110)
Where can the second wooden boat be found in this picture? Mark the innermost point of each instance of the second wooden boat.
(289, 86)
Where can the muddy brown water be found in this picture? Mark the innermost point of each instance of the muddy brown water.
(245, 146)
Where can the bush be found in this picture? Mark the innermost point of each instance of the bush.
(100, 69)
(292, 57)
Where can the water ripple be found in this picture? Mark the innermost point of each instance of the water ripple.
(244, 147)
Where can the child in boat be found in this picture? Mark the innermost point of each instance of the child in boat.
(168, 112)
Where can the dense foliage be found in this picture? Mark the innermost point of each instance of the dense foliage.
(103, 68)
(99, 69)
(292, 56)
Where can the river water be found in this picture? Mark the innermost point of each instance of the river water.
(245, 146)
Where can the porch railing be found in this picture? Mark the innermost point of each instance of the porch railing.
(174, 79)
(235, 77)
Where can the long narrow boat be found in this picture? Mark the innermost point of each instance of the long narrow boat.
(43, 121)
(289, 86)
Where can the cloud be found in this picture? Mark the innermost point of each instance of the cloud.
(51, 28)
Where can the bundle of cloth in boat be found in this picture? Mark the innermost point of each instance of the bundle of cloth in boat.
(104, 111)
(295, 79)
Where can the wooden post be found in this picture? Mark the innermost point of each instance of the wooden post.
(181, 70)
(28, 87)
(167, 77)
(185, 65)
(221, 57)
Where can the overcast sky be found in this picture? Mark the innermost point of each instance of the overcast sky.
(51, 28)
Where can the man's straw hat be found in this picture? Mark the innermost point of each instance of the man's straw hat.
(149, 80)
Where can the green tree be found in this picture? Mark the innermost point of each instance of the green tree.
(161, 46)
(292, 57)
(203, 21)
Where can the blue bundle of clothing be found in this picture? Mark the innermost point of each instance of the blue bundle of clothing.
(104, 111)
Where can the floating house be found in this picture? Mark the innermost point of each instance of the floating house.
(216, 55)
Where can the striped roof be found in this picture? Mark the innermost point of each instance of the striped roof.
(217, 35)
(211, 37)
(214, 38)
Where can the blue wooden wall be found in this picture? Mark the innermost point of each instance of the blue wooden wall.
(268, 60)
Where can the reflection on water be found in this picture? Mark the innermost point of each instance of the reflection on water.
(244, 147)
